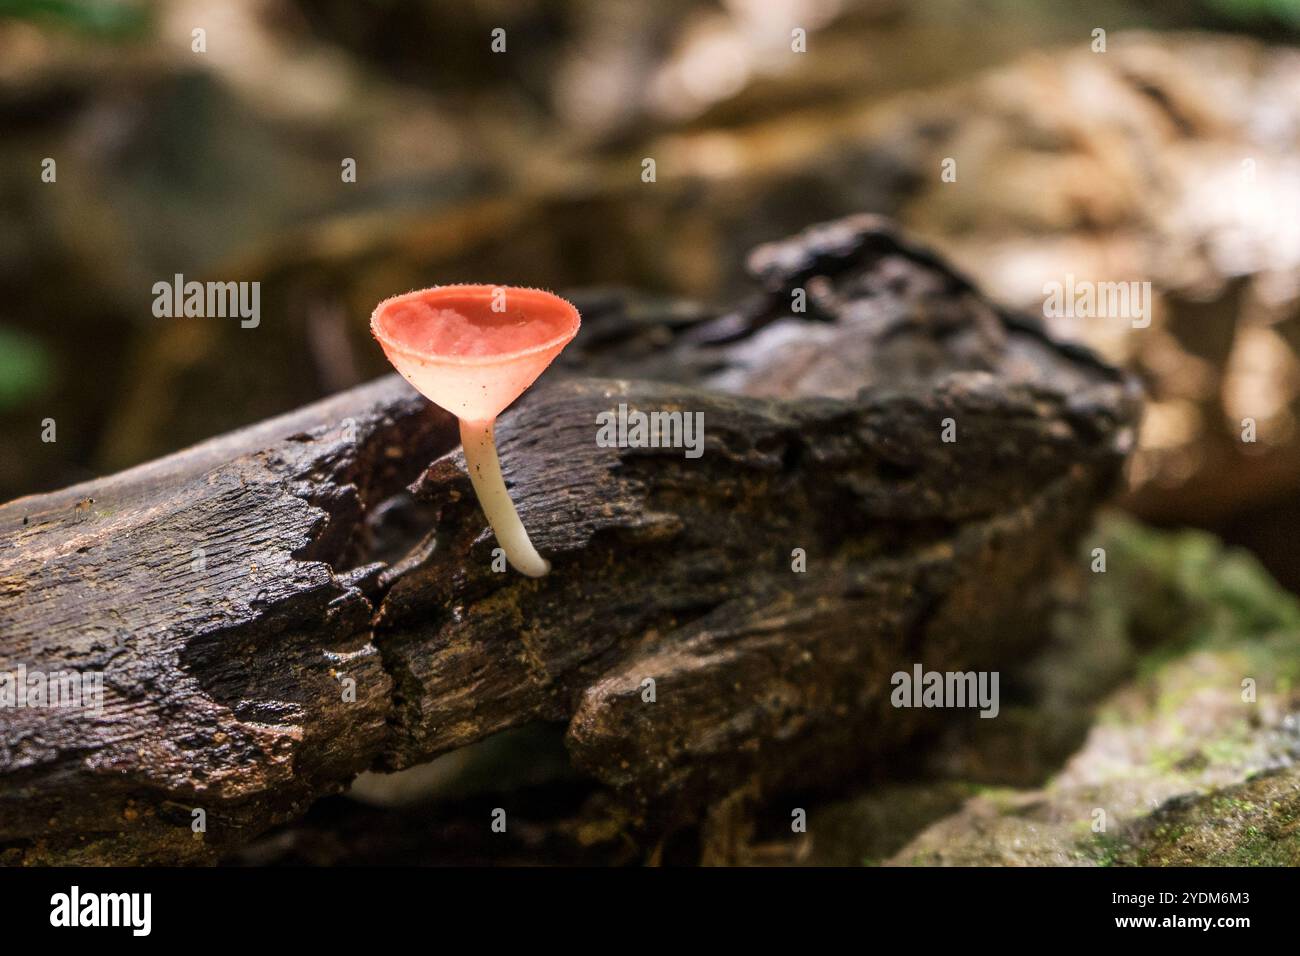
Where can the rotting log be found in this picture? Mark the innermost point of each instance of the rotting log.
(278, 609)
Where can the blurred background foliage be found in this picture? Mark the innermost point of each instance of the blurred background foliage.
(525, 167)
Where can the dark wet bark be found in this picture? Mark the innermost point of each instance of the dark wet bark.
(227, 669)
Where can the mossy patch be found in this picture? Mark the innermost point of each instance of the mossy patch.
(1207, 727)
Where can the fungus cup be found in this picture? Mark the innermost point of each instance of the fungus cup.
(474, 349)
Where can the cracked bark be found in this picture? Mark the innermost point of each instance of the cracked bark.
(232, 592)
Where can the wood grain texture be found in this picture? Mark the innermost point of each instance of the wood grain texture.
(225, 677)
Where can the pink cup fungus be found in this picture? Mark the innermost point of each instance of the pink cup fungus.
(474, 349)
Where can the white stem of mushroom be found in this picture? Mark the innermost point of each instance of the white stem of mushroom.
(485, 473)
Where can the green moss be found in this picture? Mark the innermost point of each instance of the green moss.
(1151, 658)
(1253, 824)
(1104, 849)
(1183, 588)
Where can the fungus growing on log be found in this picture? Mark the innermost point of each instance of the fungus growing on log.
(474, 349)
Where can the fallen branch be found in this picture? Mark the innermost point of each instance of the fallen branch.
(273, 612)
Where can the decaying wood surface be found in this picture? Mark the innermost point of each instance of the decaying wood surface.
(235, 593)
